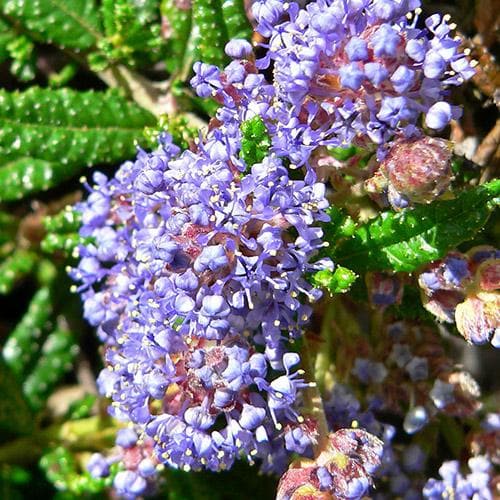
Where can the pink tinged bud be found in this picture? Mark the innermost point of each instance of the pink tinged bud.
(488, 275)
(478, 318)
(384, 289)
(419, 169)
(301, 482)
(442, 304)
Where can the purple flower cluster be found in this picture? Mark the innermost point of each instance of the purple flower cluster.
(465, 288)
(356, 70)
(195, 281)
(453, 484)
(342, 470)
(139, 468)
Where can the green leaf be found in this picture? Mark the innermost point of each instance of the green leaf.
(183, 134)
(57, 355)
(64, 243)
(15, 415)
(255, 141)
(22, 345)
(66, 221)
(132, 35)
(237, 23)
(339, 227)
(211, 32)
(338, 281)
(47, 136)
(343, 153)
(178, 20)
(7, 35)
(73, 24)
(24, 176)
(406, 240)
(15, 267)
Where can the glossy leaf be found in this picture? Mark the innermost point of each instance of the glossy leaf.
(406, 240)
(47, 136)
(65, 243)
(177, 22)
(255, 141)
(22, 345)
(210, 30)
(73, 24)
(57, 355)
(24, 176)
(237, 23)
(14, 268)
(67, 220)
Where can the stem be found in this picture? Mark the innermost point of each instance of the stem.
(313, 401)
(153, 96)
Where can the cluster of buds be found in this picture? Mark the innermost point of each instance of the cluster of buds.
(342, 470)
(465, 288)
(139, 473)
(409, 374)
(414, 171)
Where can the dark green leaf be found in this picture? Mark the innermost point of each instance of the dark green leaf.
(15, 267)
(23, 343)
(15, 415)
(406, 240)
(47, 136)
(57, 355)
(73, 24)
(237, 23)
(211, 33)
(177, 19)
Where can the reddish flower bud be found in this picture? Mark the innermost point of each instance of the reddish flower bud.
(301, 482)
(478, 318)
(417, 170)
(384, 289)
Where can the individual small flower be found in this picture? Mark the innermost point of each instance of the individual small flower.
(384, 289)
(238, 48)
(415, 419)
(369, 372)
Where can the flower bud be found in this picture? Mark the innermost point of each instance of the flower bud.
(418, 170)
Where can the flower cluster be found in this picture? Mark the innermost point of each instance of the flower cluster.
(465, 288)
(139, 474)
(196, 274)
(354, 70)
(195, 281)
(343, 470)
(454, 485)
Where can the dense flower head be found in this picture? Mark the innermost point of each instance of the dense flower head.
(361, 69)
(343, 470)
(138, 469)
(195, 281)
(465, 288)
(453, 484)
